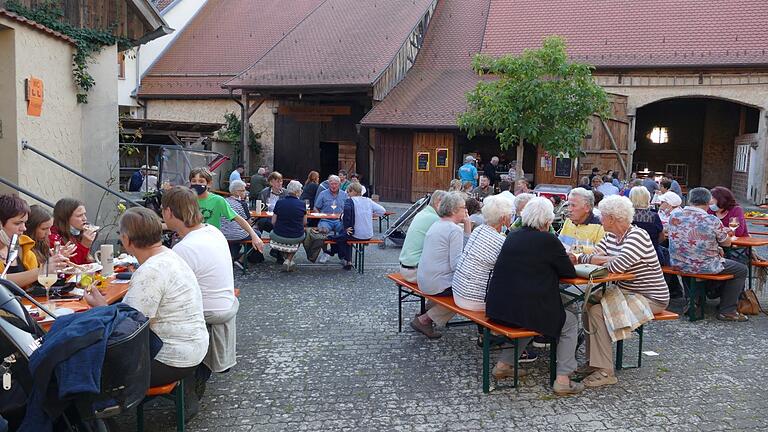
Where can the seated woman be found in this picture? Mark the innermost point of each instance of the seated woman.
(310, 188)
(647, 219)
(480, 253)
(724, 206)
(524, 291)
(165, 289)
(473, 210)
(455, 185)
(70, 226)
(24, 269)
(624, 249)
(440, 257)
(232, 231)
(357, 220)
(288, 225)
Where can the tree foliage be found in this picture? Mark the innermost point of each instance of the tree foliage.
(231, 132)
(539, 97)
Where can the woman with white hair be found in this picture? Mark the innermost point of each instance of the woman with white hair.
(479, 255)
(524, 291)
(357, 220)
(645, 217)
(233, 232)
(440, 257)
(625, 249)
(288, 220)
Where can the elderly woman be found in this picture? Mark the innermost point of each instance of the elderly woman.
(358, 221)
(479, 255)
(646, 218)
(723, 205)
(669, 203)
(164, 289)
(524, 291)
(288, 220)
(519, 204)
(582, 225)
(233, 232)
(440, 257)
(625, 249)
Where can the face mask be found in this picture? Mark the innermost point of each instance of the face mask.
(199, 189)
(714, 207)
(74, 231)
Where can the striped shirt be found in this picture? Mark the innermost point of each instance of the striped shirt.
(634, 254)
(476, 263)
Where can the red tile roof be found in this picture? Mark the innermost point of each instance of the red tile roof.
(35, 25)
(631, 33)
(433, 92)
(222, 40)
(345, 43)
(162, 4)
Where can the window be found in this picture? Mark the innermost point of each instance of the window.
(121, 65)
(659, 135)
(742, 158)
(679, 172)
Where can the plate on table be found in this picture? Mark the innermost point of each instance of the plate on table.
(83, 268)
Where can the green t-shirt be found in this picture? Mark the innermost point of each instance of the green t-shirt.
(214, 207)
(410, 254)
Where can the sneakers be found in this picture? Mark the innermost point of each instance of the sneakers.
(540, 342)
(323, 258)
(528, 356)
(507, 372)
(567, 390)
(427, 330)
(347, 266)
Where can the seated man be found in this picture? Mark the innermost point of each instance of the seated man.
(695, 240)
(484, 190)
(330, 201)
(206, 251)
(582, 225)
(413, 245)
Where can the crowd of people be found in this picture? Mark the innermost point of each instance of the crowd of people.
(499, 253)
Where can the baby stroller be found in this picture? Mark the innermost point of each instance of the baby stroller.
(396, 233)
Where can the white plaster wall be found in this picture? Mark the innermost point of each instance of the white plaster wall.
(57, 131)
(100, 134)
(126, 86)
(212, 111)
(177, 16)
(10, 161)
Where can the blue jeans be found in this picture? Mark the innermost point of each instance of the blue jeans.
(334, 226)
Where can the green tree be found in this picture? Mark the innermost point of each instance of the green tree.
(539, 97)
(231, 133)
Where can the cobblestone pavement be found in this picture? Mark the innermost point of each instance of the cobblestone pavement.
(318, 350)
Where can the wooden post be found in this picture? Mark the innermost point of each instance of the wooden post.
(245, 133)
(615, 147)
(520, 152)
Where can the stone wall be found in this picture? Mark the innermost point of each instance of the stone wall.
(57, 132)
(212, 111)
(721, 126)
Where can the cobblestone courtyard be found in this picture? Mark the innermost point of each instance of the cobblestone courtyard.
(319, 350)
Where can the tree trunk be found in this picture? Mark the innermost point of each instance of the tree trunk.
(519, 166)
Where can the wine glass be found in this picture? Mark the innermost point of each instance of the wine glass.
(333, 206)
(46, 276)
(306, 205)
(734, 225)
(577, 250)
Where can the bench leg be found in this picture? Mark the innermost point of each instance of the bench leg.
(619, 355)
(749, 266)
(400, 298)
(517, 362)
(361, 259)
(640, 346)
(179, 399)
(140, 416)
(487, 361)
(552, 362)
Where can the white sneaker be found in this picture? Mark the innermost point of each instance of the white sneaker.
(323, 258)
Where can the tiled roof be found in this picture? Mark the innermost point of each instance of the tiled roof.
(631, 33)
(223, 39)
(162, 4)
(433, 92)
(35, 25)
(345, 43)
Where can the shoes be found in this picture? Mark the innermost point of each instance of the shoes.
(540, 342)
(528, 356)
(735, 316)
(277, 255)
(291, 266)
(567, 390)
(427, 330)
(599, 378)
(507, 372)
(347, 266)
(323, 258)
(238, 265)
(286, 266)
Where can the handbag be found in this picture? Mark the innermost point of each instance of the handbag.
(748, 303)
(590, 271)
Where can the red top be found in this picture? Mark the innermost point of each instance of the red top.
(738, 213)
(81, 252)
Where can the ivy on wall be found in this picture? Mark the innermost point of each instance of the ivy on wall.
(88, 41)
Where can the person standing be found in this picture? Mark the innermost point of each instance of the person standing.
(468, 172)
(258, 183)
(134, 185)
(490, 171)
(237, 173)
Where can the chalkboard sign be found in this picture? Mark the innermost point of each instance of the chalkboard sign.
(563, 167)
(422, 161)
(441, 160)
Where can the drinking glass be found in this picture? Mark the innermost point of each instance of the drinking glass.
(734, 225)
(333, 206)
(577, 250)
(306, 205)
(46, 276)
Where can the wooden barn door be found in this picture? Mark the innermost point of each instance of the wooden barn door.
(432, 162)
(608, 145)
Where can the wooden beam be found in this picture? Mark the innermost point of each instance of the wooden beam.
(313, 118)
(324, 110)
(615, 148)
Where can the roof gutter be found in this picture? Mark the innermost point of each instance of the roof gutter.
(152, 19)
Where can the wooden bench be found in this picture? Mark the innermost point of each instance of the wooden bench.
(384, 217)
(173, 391)
(514, 335)
(696, 284)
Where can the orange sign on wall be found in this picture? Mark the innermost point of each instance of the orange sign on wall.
(34, 96)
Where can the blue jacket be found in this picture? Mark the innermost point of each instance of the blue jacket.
(74, 351)
(137, 179)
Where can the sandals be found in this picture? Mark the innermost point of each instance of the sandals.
(599, 378)
(736, 316)
(567, 390)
